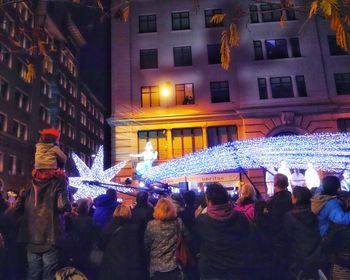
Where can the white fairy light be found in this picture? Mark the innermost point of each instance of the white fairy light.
(94, 174)
(327, 151)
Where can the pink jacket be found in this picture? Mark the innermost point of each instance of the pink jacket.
(247, 209)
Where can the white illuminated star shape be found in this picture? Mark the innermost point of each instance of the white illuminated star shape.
(96, 173)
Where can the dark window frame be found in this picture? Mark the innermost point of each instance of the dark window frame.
(278, 51)
(145, 23)
(180, 20)
(276, 92)
(258, 50)
(219, 91)
(148, 58)
(342, 83)
(295, 47)
(216, 131)
(301, 85)
(182, 56)
(214, 55)
(271, 12)
(208, 14)
(262, 85)
(254, 15)
(334, 49)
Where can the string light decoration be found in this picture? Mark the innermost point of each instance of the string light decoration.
(326, 151)
(94, 174)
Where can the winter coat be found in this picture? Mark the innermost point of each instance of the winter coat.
(187, 216)
(328, 209)
(122, 258)
(41, 206)
(105, 206)
(160, 244)
(223, 244)
(49, 156)
(247, 208)
(142, 214)
(303, 236)
(337, 244)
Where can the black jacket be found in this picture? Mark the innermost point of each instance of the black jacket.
(337, 244)
(142, 214)
(223, 244)
(123, 258)
(42, 205)
(303, 236)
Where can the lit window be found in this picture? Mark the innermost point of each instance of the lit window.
(150, 96)
(184, 94)
(3, 122)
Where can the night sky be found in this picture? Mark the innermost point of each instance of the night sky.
(95, 56)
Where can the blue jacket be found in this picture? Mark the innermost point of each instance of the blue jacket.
(328, 208)
(105, 206)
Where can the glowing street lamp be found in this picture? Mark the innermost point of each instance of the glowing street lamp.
(165, 89)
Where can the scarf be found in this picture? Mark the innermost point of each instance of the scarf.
(220, 212)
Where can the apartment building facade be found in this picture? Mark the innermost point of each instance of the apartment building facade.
(282, 80)
(55, 97)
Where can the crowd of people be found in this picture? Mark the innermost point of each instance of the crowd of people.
(296, 235)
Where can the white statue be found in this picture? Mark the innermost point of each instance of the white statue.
(298, 179)
(269, 175)
(149, 155)
(311, 177)
(285, 171)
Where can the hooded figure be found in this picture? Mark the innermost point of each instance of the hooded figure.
(327, 207)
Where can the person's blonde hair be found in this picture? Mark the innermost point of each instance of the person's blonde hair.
(122, 211)
(247, 191)
(164, 210)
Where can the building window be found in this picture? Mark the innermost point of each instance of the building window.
(48, 65)
(218, 135)
(3, 122)
(182, 56)
(45, 89)
(258, 51)
(82, 118)
(254, 17)
(343, 125)
(214, 55)
(281, 87)
(276, 48)
(150, 97)
(290, 13)
(71, 67)
(19, 167)
(8, 25)
(187, 141)
(63, 80)
(148, 58)
(44, 115)
(63, 103)
(342, 83)
(12, 165)
(22, 101)
(184, 94)
(19, 130)
(219, 92)
(4, 89)
(72, 89)
(180, 20)
(294, 44)
(1, 162)
(71, 110)
(271, 12)
(147, 24)
(71, 132)
(83, 99)
(82, 138)
(62, 126)
(101, 134)
(101, 118)
(208, 14)
(334, 49)
(5, 55)
(22, 69)
(158, 138)
(300, 81)
(262, 88)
